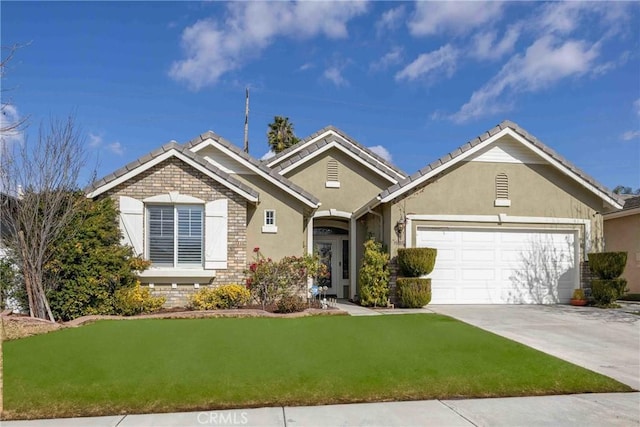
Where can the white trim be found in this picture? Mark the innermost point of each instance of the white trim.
(334, 144)
(269, 229)
(620, 214)
(503, 219)
(332, 212)
(503, 203)
(310, 236)
(301, 147)
(265, 215)
(174, 197)
(179, 273)
(162, 157)
(488, 141)
(264, 175)
(332, 184)
(352, 258)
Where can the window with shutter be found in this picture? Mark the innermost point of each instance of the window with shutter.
(502, 190)
(175, 234)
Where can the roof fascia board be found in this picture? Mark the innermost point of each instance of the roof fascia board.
(164, 156)
(565, 170)
(447, 165)
(334, 144)
(260, 172)
(301, 147)
(621, 214)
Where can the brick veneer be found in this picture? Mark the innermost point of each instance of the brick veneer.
(175, 175)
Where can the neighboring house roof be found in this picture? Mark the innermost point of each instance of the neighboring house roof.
(254, 165)
(171, 149)
(631, 207)
(480, 142)
(325, 138)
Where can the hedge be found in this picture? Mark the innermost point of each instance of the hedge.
(416, 262)
(413, 292)
(607, 265)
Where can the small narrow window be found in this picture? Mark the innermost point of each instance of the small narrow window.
(269, 221)
(332, 174)
(502, 190)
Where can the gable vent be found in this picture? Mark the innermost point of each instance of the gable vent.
(332, 174)
(502, 190)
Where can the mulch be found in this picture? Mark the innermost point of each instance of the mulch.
(20, 326)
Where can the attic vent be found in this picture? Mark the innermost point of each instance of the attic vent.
(332, 174)
(502, 190)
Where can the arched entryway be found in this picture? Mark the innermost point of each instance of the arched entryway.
(331, 243)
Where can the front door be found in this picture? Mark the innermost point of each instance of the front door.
(333, 254)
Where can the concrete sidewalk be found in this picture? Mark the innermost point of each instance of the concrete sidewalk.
(614, 409)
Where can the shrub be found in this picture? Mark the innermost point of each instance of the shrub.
(631, 297)
(606, 291)
(269, 280)
(607, 265)
(221, 297)
(413, 292)
(137, 300)
(374, 275)
(291, 304)
(578, 294)
(416, 262)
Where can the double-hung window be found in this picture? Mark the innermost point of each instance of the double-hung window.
(175, 235)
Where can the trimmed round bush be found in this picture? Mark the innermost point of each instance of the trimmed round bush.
(416, 262)
(291, 304)
(607, 265)
(413, 292)
(606, 291)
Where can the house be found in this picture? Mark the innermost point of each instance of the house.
(512, 219)
(622, 233)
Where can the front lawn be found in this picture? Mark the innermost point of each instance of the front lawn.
(137, 366)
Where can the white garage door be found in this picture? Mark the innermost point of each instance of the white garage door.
(487, 266)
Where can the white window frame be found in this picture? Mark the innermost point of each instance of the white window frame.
(175, 264)
(269, 224)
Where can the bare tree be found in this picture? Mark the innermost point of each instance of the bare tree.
(44, 176)
(11, 123)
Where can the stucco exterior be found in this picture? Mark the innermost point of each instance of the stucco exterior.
(622, 233)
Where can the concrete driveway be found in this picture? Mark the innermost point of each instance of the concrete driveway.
(606, 341)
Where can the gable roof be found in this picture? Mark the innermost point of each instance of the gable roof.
(169, 150)
(328, 137)
(251, 163)
(467, 150)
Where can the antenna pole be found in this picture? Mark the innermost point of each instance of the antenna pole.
(246, 122)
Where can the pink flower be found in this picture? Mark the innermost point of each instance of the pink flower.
(256, 249)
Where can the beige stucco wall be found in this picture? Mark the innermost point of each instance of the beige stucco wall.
(623, 234)
(358, 184)
(290, 238)
(469, 189)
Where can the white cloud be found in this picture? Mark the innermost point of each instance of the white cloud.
(381, 151)
(544, 63)
(334, 75)
(269, 154)
(630, 134)
(393, 57)
(115, 148)
(485, 46)
(636, 105)
(10, 121)
(306, 66)
(431, 17)
(390, 20)
(428, 65)
(95, 141)
(214, 47)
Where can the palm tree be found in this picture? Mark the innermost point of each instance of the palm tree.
(280, 135)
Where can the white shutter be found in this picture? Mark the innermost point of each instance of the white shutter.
(215, 235)
(131, 223)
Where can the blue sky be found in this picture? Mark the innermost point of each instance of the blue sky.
(414, 79)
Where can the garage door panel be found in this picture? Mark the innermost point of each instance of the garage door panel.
(501, 266)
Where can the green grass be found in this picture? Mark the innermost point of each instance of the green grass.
(191, 364)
